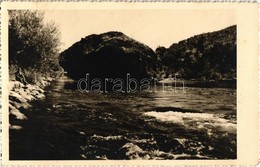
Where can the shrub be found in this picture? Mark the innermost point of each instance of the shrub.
(33, 44)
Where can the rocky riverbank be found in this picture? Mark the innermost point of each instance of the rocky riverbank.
(20, 96)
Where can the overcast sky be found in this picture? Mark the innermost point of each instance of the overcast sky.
(151, 27)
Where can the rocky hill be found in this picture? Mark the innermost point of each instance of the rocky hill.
(209, 56)
(109, 55)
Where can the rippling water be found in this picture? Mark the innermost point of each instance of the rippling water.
(68, 124)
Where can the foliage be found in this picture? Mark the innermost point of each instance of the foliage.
(206, 56)
(33, 44)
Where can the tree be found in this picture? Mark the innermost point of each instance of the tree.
(33, 44)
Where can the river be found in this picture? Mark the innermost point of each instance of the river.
(68, 125)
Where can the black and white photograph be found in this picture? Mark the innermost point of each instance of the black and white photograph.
(122, 84)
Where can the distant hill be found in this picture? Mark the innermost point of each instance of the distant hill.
(209, 56)
(109, 55)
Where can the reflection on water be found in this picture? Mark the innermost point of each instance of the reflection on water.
(69, 124)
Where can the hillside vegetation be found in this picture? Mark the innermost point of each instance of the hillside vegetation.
(209, 56)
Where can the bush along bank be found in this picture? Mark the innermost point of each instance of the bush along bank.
(20, 96)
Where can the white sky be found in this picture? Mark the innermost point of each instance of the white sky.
(151, 27)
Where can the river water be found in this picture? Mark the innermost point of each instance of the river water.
(197, 124)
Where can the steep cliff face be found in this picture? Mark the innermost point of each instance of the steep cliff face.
(109, 55)
(207, 56)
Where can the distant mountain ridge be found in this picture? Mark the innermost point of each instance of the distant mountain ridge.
(205, 56)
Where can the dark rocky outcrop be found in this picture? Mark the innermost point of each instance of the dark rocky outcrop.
(108, 55)
(209, 56)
